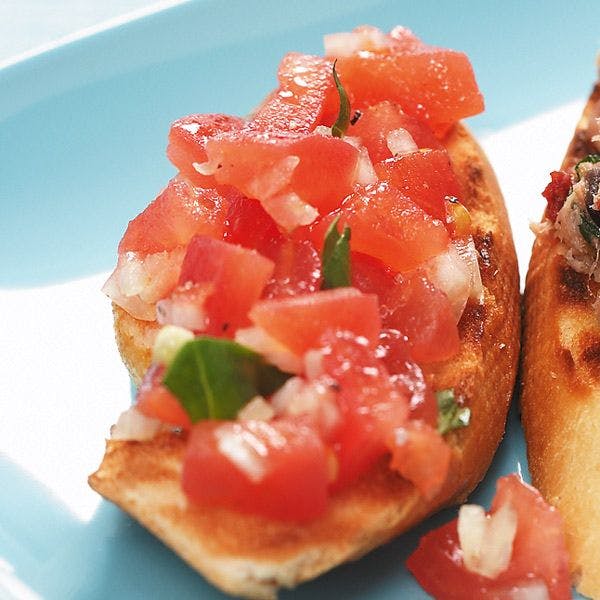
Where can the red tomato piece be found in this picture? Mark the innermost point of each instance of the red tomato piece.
(377, 121)
(431, 333)
(276, 469)
(556, 193)
(303, 97)
(299, 322)
(187, 142)
(539, 552)
(435, 85)
(420, 454)
(370, 405)
(237, 276)
(178, 213)
(388, 226)
(155, 400)
(425, 177)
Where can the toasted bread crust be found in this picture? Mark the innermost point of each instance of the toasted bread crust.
(561, 386)
(249, 556)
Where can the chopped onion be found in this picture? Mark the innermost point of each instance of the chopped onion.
(366, 39)
(207, 168)
(289, 210)
(487, 541)
(400, 142)
(313, 364)
(258, 409)
(257, 339)
(532, 590)
(184, 310)
(133, 425)
(469, 254)
(168, 342)
(272, 180)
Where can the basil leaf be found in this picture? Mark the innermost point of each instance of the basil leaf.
(213, 378)
(340, 127)
(336, 257)
(450, 414)
(588, 229)
(590, 158)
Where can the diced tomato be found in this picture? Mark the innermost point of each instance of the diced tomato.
(178, 213)
(187, 142)
(388, 226)
(277, 469)
(297, 263)
(237, 276)
(432, 331)
(275, 168)
(155, 400)
(303, 98)
(299, 322)
(432, 84)
(371, 406)
(425, 177)
(377, 121)
(556, 193)
(420, 454)
(539, 553)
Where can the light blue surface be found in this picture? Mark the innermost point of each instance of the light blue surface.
(82, 137)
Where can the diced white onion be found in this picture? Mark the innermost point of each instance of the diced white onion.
(487, 541)
(272, 180)
(399, 141)
(313, 364)
(183, 312)
(469, 254)
(207, 168)
(532, 590)
(258, 409)
(365, 173)
(349, 43)
(169, 340)
(323, 130)
(257, 339)
(289, 210)
(133, 425)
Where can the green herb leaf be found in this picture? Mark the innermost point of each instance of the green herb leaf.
(590, 158)
(450, 414)
(213, 378)
(336, 257)
(340, 127)
(588, 229)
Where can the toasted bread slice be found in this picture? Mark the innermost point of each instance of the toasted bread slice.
(561, 384)
(250, 556)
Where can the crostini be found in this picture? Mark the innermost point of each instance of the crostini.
(322, 312)
(561, 354)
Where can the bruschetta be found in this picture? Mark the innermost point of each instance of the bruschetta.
(322, 312)
(561, 354)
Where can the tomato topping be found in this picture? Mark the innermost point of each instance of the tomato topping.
(538, 556)
(277, 469)
(153, 399)
(299, 322)
(303, 98)
(556, 193)
(237, 277)
(187, 142)
(178, 213)
(376, 122)
(425, 177)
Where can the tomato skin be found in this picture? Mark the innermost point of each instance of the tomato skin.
(539, 552)
(377, 121)
(556, 193)
(155, 400)
(425, 177)
(237, 275)
(300, 322)
(178, 213)
(293, 486)
(187, 142)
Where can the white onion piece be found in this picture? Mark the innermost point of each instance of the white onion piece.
(469, 254)
(487, 541)
(313, 364)
(399, 141)
(258, 409)
(365, 173)
(257, 339)
(168, 342)
(207, 168)
(348, 43)
(289, 210)
(450, 273)
(532, 590)
(272, 180)
(133, 425)
(184, 311)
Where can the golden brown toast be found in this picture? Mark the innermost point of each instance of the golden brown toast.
(561, 384)
(253, 557)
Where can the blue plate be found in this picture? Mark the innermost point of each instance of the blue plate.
(82, 133)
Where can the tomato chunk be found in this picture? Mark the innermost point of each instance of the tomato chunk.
(187, 142)
(300, 321)
(276, 469)
(425, 177)
(556, 192)
(538, 557)
(236, 276)
(178, 213)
